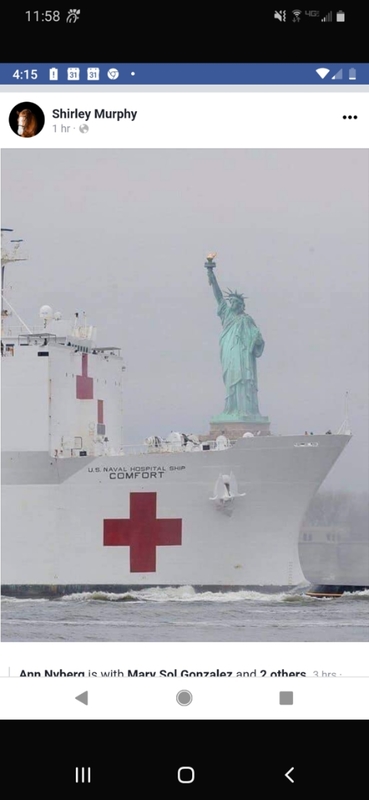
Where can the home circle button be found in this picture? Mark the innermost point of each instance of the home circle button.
(184, 698)
(186, 775)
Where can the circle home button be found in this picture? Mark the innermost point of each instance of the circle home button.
(186, 775)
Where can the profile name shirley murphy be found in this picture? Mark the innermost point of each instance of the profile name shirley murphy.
(97, 113)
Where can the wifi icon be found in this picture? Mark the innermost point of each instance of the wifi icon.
(322, 72)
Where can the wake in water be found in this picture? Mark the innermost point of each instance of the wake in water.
(187, 594)
(184, 615)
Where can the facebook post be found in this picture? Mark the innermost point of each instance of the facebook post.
(184, 392)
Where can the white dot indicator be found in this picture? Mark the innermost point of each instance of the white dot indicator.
(133, 73)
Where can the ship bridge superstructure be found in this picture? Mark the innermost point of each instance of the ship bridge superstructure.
(61, 392)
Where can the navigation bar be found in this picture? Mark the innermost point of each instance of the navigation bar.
(157, 698)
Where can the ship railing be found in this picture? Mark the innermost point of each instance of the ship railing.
(19, 330)
(24, 339)
(168, 448)
(28, 338)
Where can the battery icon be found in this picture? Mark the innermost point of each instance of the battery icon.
(340, 16)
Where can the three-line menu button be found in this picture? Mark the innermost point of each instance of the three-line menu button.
(83, 775)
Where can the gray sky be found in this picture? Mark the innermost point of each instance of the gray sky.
(123, 235)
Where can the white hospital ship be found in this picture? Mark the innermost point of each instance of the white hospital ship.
(84, 510)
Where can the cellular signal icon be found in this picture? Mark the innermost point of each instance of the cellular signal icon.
(328, 17)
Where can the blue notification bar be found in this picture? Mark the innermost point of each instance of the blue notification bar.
(183, 74)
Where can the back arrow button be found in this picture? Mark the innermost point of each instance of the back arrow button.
(83, 698)
(288, 775)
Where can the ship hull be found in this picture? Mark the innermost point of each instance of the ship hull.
(134, 521)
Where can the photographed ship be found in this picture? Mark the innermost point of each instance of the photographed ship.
(85, 510)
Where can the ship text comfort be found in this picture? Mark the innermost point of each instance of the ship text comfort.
(97, 113)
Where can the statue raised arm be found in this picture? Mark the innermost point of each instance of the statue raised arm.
(218, 294)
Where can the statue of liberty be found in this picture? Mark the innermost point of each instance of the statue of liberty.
(241, 343)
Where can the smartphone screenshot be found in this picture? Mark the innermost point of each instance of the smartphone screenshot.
(184, 413)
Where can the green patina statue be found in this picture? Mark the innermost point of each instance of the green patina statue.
(241, 343)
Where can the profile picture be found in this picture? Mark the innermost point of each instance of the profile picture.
(26, 119)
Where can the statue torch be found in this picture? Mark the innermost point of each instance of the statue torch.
(210, 265)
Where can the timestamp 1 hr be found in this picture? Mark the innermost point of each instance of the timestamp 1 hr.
(62, 128)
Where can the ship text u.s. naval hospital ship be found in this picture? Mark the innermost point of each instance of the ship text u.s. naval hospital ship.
(82, 510)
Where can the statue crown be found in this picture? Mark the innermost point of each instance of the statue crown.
(229, 295)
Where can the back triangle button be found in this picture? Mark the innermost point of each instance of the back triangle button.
(83, 698)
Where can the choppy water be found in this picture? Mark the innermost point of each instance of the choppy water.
(183, 615)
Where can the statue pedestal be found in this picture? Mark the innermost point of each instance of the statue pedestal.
(235, 429)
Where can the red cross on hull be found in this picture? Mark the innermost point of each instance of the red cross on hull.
(142, 533)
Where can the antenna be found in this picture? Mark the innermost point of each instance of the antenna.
(46, 313)
(322, 72)
(345, 428)
(8, 255)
